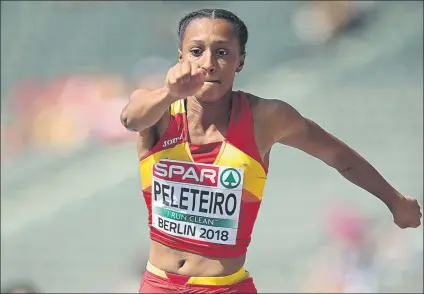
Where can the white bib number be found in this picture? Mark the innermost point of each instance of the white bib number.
(197, 201)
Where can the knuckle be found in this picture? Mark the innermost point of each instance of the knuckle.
(185, 73)
(172, 80)
(179, 78)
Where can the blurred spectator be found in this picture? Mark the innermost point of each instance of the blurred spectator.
(319, 21)
(347, 264)
(64, 114)
(20, 287)
(399, 259)
(360, 254)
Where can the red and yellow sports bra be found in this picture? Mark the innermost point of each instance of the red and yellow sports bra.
(204, 199)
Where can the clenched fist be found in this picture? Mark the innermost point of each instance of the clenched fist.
(184, 79)
(406, 213)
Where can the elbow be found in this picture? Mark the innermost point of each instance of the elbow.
(130, 115)
(127, 120)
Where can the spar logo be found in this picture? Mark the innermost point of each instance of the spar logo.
(230, 178)
(185, 172)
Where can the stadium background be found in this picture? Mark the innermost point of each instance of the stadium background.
(72, 214)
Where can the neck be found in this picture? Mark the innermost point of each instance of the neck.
(209, 113)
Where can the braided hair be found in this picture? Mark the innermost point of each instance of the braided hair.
(239, 26)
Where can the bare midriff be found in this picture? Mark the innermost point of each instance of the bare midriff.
(180, 262)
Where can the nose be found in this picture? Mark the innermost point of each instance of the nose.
(208, 62)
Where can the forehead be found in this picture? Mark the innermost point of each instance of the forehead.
(205, 29)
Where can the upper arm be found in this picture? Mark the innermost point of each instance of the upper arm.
(148, 137)
(287, 126)
(141, 93)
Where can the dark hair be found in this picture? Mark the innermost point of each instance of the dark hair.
(239, 26)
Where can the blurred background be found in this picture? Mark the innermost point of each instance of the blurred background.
(72, 214)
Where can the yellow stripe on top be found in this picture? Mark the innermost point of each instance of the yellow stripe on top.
(254, 175)
(178, 152)
(177, 107)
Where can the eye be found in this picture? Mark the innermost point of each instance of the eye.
(196, 52)
(222, 52)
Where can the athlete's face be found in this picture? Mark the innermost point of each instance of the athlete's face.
(214, 45)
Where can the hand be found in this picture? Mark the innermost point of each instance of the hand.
(407, 213)
(184, 79)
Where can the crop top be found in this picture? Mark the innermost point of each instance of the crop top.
(204, 199)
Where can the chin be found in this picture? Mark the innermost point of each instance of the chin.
(202, 97)
(210, 94)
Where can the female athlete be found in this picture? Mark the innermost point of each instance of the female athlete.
(204, 154)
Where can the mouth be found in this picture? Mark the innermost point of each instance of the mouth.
(213, 81)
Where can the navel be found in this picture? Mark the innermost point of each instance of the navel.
(181, 262)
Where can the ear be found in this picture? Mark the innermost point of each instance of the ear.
(241, 63)
(180, 56)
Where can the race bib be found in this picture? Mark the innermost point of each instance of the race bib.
(197, 201)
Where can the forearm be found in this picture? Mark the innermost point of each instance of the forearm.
(146, 108)
(361, 173)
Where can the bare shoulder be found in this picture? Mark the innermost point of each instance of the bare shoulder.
(262, 107)
(273, 117)
(278, 122)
